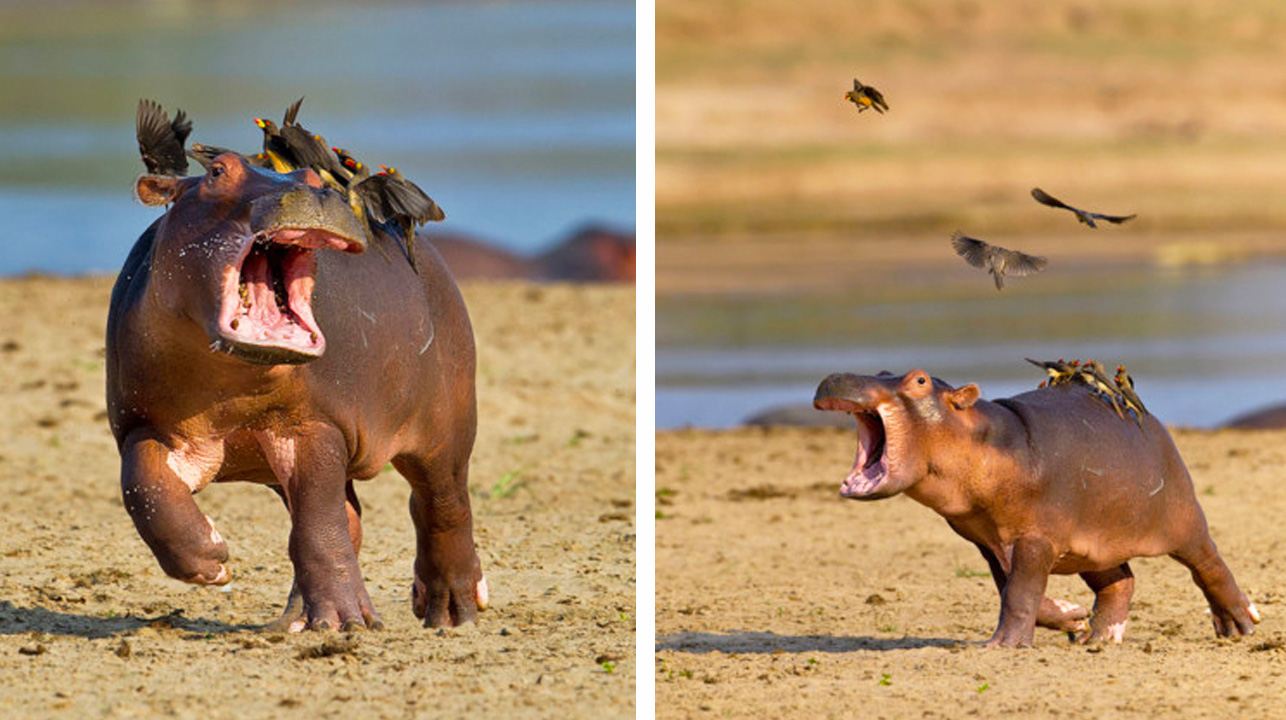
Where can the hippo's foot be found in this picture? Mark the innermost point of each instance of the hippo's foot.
(449, 603)
(1231, 612)
(336, 602)
(1010, 637)
(1237, 620)
(295, 619)
(1062, 616)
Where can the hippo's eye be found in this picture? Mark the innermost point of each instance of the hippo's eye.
(920, 380)
(216, 170)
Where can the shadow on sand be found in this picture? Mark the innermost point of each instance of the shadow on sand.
(16, 620)
(766, 642)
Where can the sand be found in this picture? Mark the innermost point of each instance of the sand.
(775, 598)
(91, 627)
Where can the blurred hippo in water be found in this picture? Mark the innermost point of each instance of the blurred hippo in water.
(590, 254)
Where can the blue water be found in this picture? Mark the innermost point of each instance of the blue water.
(1202, 347)
(518, 118)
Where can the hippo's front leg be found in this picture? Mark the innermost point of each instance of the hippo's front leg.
(327, 575)
(1024, 590)
(1054, 614)
(183, 539)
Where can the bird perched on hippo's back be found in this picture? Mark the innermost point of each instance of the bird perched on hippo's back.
(1125, 386)
(388, 198)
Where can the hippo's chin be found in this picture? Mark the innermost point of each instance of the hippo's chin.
(265, 313)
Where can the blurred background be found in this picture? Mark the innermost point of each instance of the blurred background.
(797, 238)
(516, 117)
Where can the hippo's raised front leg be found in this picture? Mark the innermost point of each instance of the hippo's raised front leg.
(449, 587)
(1024, 591)
(322, 550)
(1055, 614)
(183, 539)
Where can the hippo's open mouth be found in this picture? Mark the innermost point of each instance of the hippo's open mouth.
(265, 312)
(871, 466)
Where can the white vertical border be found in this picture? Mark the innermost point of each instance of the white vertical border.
(645, 328)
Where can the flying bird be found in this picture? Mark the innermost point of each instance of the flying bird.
(865, 96)
(160, 141)
(1084, 216)
(995, 259)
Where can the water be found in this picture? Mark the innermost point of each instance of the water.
(517, 117)
(1203, 346)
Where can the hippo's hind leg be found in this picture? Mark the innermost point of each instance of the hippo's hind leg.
(1231, 611)
(182, 538)
(1112, 591)
(449, 587)
(292, 618)
(1055, 614)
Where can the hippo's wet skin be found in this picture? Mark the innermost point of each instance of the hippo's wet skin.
(249, 340)
(1050, 481)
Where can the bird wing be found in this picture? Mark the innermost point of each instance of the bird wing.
(1045, 198)
(972, 250)
(373, 192)
(857, 86)
(158, 143)
(182, 127)
(877, 98)
(307, 150)
(406, 198)
(1115, 219)
(1020, 263)
(292, 112)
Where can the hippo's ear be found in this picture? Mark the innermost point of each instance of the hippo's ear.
(159, 189)
(963, 398)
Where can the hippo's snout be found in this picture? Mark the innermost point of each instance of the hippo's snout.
(847, 392)
(308, 217)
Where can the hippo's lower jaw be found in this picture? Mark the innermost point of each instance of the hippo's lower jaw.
(265, 313)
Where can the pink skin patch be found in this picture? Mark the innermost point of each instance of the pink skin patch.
(482, 594)
(1065, 606)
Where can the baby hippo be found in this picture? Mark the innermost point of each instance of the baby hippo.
(1049, 481)
(251, 338)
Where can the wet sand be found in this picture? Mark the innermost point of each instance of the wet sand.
(90, 625)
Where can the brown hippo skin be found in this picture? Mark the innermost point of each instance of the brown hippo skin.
(243, 343)
(1049, 481)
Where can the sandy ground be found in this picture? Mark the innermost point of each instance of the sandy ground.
(91, 627)
(775, 598)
